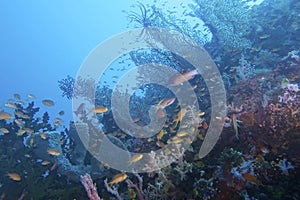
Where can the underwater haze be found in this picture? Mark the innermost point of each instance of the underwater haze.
(201, 101)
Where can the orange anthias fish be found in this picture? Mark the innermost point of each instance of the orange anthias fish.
(21, 132)
(14, 176)
(161, 134)
(136, 158)
(48, 102)
(43, 135)
(45, 162)
(19, 122)
(31, 96)
(4, 130)
(251, 178)
(53, 152)
(11, 105)
(179, 116)
(181, 78)
(5, 115)
(160, 144)
(99, 109)
(175, 140)
(182, 134)
(28, 130)
(118, 178)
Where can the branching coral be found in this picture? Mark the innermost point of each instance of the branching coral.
(81, 87)
(89, 187)
(112, 189)
(67, 85)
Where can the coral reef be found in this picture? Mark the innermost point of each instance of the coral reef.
(256, 157)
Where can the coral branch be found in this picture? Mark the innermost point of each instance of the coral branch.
(113, 190)
(139, 189)
(89, 187)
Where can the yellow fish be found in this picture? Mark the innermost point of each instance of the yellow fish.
(118, 178)
(11, 105)
(179, 116)
(17, 121)
(45, 162)
(43, 135)
(5, 115)
(200, 114)
(48, 102)
(161, 134)
(181, 134)
(53, 152)
(99, 109)
(31, 96)
(135, 158)
(14, 176)
(21, 132)
(28, 130)
(18, 113)
(251, 178)
(4, 130)
(174, 140)
(25, 116)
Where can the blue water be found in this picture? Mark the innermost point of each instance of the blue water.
(42, 42)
